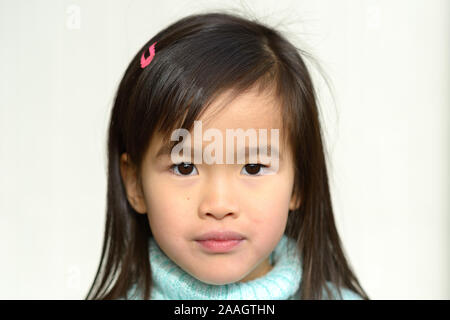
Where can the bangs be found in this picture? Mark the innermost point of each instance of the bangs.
(211, 56)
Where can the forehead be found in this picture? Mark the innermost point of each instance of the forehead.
(249, 110)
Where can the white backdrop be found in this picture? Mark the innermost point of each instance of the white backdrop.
(387, 132)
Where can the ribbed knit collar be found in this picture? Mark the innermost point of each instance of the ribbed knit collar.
(281, 282)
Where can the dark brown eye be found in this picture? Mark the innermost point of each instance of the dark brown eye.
(183, 169)
(254, 169)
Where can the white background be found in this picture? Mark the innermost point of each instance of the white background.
(387, 132)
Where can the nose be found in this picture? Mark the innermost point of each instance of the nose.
(219, 199)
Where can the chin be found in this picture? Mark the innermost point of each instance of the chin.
(218, 279)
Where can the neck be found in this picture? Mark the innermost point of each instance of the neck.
(259, 272)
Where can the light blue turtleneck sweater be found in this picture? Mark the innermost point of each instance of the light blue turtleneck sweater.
(282, 282)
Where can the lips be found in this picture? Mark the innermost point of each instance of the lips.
(220, 241)
(220, 236)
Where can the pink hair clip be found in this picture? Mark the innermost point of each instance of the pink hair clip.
(146, 61)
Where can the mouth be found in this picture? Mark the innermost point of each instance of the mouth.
(219, 246)
(220, 241)
(220, 236)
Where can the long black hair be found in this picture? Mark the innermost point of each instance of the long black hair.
(198, 58)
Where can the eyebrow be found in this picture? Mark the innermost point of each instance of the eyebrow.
(165, 150)
(270, 150)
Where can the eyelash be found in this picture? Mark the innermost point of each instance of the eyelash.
(172, 168)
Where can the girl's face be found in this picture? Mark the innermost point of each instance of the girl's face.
(183, 203)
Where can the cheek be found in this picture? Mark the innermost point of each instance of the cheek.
(270, 203)
(167, 210)
(270, 214)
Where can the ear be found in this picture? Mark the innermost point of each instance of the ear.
(132, 185)
(295, 202)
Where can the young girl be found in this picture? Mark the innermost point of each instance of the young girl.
(192, 230)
